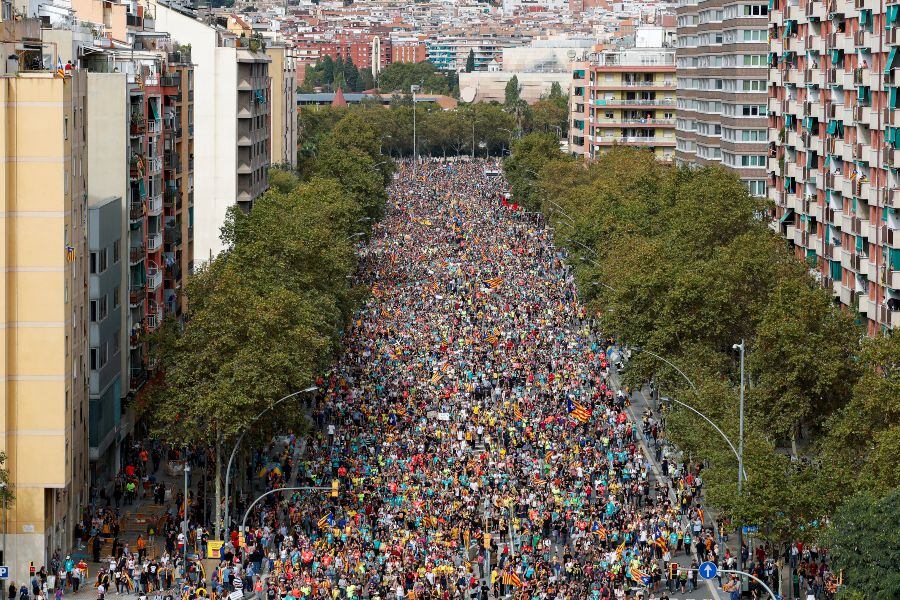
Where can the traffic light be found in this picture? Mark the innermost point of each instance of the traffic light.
(487, 541)
(335, 488)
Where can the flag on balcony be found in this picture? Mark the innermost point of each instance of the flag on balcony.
(59, 67)
(70, 254)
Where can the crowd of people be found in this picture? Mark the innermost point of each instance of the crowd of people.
(480, 444)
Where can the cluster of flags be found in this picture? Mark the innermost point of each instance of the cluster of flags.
(577, 411)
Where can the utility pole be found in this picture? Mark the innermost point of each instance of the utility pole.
(414, 89)
(740, 347)
(184, 522)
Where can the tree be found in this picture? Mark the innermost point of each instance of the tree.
(351, 75)
(863, 544)
(802, 359)
(522, 167)
(470, 61)
(511, 93)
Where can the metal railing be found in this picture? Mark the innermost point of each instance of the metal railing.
(154, 242)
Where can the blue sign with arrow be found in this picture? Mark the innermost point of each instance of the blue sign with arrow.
(708, 570)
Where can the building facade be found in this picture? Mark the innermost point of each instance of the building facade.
(43, 308)
(450, 53)
(283, 139)
(625, 96)
(231, 134)
(106, 265)
(834, 129)
(721, 73)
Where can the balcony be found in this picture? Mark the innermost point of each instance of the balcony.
(154, 278)
(154, 126)
(155, 205)
(136, 293)
(617, 102)
(136, 254)
(154, 242)
(635, 123)
(154, 165)
(154, 318)
(644, 141)
(138, 124)
(136, 210)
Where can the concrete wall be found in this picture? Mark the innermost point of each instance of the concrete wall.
(107, 139)
(492, 85)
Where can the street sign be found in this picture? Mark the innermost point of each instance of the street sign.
(4, 572)
(748, 529)
(708, 570)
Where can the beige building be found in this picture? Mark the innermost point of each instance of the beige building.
(283, 137)
(625, 96)
(43, 320)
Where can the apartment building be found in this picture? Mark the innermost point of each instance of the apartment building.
(450, 53)
(834, 129)
(625, 96)
(721, 69)
(231, 134)
(44, 299)
(283, 139)
(106, 267)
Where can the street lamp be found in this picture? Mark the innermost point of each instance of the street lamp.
(237, 444)
(697, 412)
(413, 89)
(184, 522)
(740, 348)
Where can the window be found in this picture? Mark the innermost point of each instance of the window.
(756, 10)
(754, 135)
(753, 160)
(116, 252)
(753, 110)
(754, 60)
(102, 262)
(116, 300)
(754, 35)
(756, 187)
(93, 261)
(98, 309)
(754, 85)
(95, 359)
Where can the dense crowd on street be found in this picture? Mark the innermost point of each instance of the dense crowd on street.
(482, 446)
(474, 400)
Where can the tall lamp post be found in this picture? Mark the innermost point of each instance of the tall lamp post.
(741, 476)
(413, 89)
(237, 444)
(184, 522)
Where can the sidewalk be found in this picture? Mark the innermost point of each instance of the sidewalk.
(708, 589)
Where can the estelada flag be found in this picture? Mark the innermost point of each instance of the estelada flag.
(494, 282)
(325, 520)
(578, 411)
(510, 578)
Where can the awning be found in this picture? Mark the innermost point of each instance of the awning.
(836, 56)
(836, 270)
(789, 27)
(859, 243)
(892, 14)
(892, 61)
(862, 94)
(789, 213)
(865, 17)
(892, 93)
(788, 120)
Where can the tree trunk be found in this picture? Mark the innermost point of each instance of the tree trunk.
(794, 442)
(218, 510)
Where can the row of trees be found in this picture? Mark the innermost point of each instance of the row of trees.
(682, 263)
(487, 129)
(266, 315)
(330, 74)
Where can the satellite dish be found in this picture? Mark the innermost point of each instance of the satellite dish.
(571, 54)
(467, 94)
